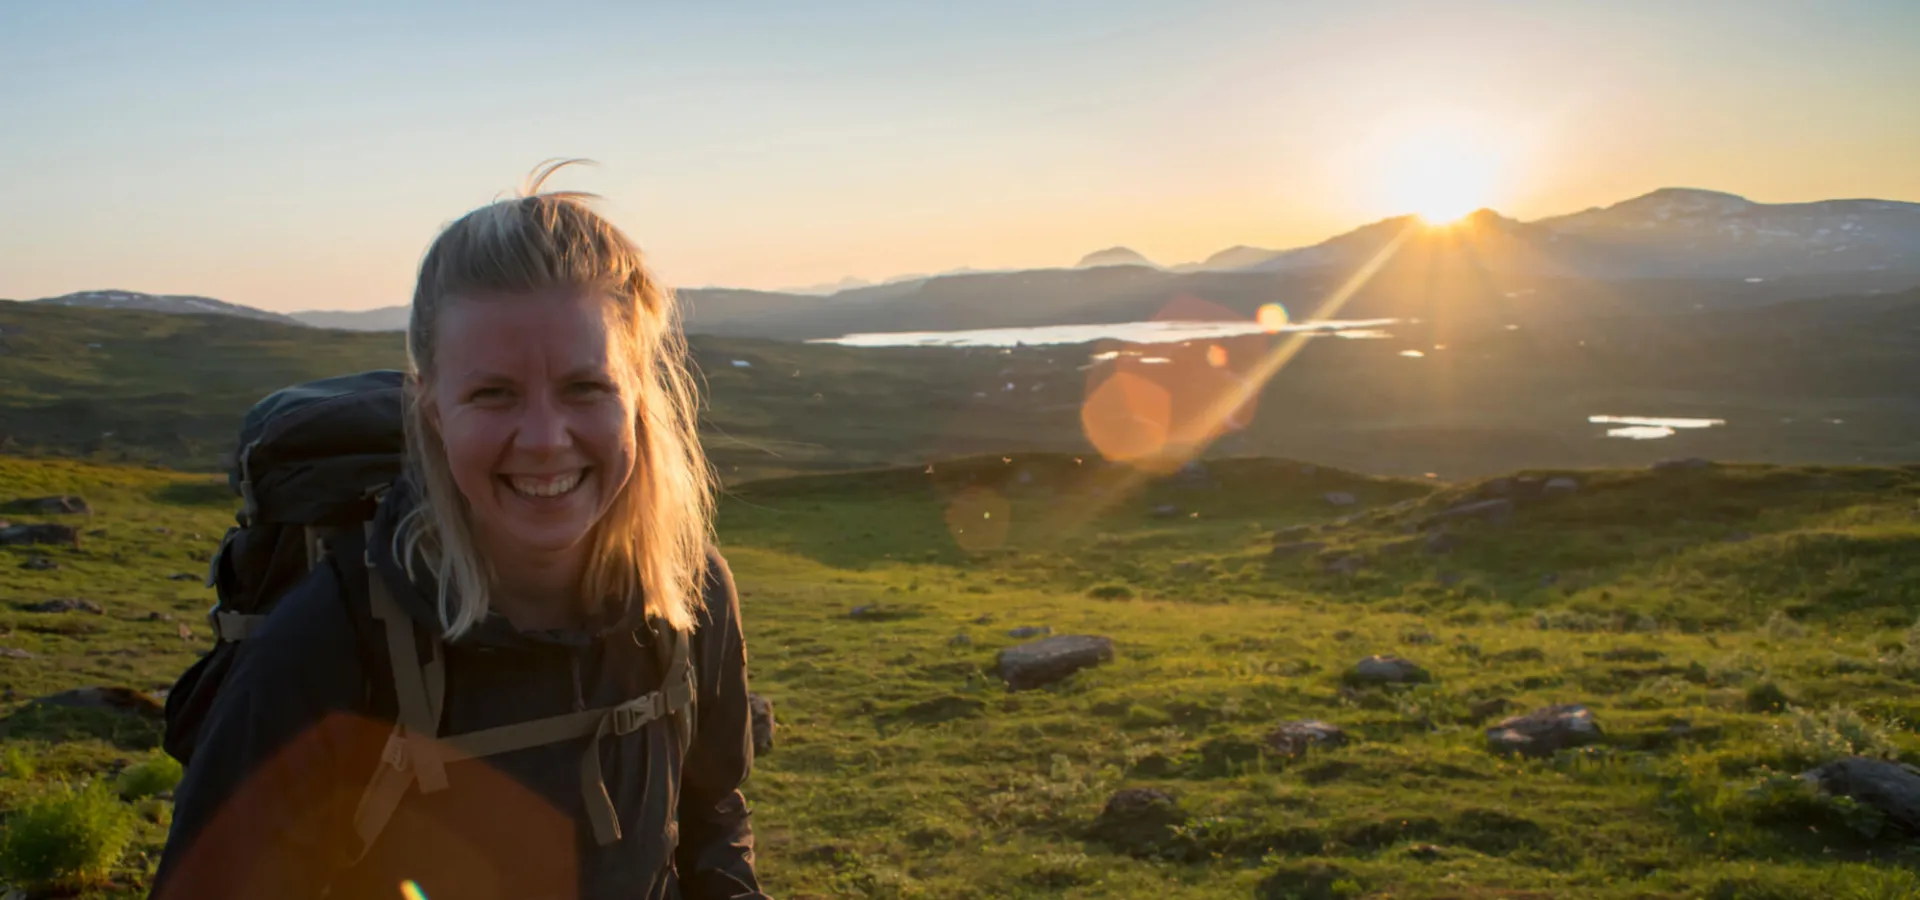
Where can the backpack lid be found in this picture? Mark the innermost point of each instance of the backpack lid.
(313, 453)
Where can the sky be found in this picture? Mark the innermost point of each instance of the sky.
(303, 156)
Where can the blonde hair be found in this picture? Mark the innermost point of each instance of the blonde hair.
(650, 547)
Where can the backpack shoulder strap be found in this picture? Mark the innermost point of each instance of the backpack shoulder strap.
(411, 753)
(677, 680)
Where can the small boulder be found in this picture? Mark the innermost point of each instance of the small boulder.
(1030, 631)
(14, 653)
(117, 699)
(1562, 485)
(1387, 670)
(1544, 731)
(50, 506)
(63, 605)
(1138, 821)
(40, 533)
(1340, 498)
(39, 564)
(1051, 659)
(760, 710)
(1292, 739)
(1687, 464)
(1892, 788)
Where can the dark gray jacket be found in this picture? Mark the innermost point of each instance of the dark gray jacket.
(266, 807)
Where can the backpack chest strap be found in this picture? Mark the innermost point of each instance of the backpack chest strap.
(415, 753)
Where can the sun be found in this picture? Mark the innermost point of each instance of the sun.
(1438, 173)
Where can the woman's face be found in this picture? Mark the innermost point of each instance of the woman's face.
(537, 421)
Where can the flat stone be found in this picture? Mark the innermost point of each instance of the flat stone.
(65, 604)
(1297, 737)
(1340, 498)
(760, 710)
(50, 506)
(40, 533)
(1893, 788)
(14, 653)
(1051, 659)
(1562, 486)
(1030, 631)
(117, 699)
(1495, 510)
(1387, 670)
(1544, 731)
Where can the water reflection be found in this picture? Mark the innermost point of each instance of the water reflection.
(1155, 332)
(1647, 428)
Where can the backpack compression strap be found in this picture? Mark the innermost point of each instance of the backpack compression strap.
(414, 752)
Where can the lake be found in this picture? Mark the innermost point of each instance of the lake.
(1132, 332)
(1649, 428)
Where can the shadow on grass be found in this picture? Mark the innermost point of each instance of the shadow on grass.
(208, 492)
(56, 724)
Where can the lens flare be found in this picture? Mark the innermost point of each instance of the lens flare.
(410, 890)
(1126, 417)
(979, 519)
(1217, 356)
(1272, 317)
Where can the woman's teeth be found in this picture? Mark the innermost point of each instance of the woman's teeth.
(545, 487)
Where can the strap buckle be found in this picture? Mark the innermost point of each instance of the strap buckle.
(395, 753)
(630, 716)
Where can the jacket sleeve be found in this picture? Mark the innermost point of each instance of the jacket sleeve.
(265, 807)
(715, 856)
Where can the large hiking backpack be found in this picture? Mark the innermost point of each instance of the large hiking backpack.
(312, 464)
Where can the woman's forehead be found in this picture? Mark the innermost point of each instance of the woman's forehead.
(561, 332)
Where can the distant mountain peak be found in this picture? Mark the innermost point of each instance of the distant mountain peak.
(179, 304)
(1114, 256)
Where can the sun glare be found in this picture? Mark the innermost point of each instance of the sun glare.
(1439, 174)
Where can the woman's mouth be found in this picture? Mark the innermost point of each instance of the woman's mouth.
(545, 486)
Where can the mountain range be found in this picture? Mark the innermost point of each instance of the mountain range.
(1675, 247)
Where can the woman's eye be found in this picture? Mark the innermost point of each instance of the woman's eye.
(588, 387)
(488, 393)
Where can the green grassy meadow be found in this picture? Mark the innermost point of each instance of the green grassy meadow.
(1729, 627)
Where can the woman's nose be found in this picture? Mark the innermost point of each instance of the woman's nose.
(543, 427)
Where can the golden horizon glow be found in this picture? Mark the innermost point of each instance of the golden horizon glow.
(1441, 173)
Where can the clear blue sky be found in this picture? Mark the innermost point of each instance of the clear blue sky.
(297, 159)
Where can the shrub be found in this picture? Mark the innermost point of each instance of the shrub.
(1110, 592)
(66, 838)
(151, 776)
(1812, 737)
(18, 764)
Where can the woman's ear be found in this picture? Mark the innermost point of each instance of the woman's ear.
(422, 391)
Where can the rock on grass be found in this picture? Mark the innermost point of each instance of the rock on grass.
(1387, 670)
(761, 711)
(1544, 731)
(1297, 737)
(1890, 787)
(1052, 659)
(1138, 821)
